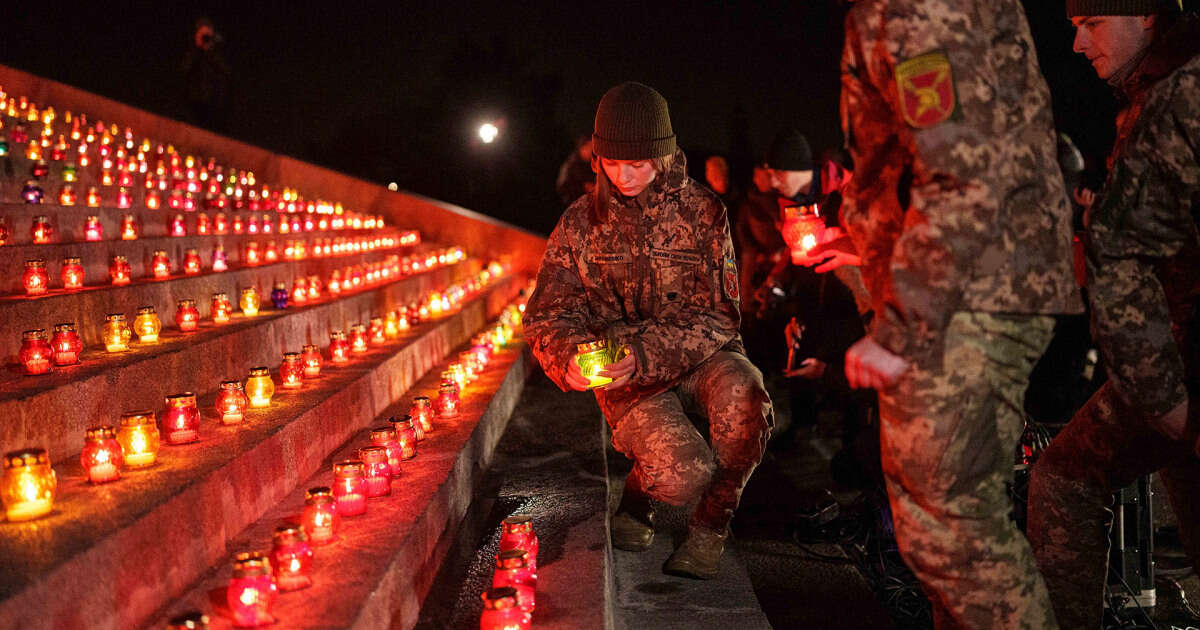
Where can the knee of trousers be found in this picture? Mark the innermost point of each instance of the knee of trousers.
(681, 477)
(742, 401)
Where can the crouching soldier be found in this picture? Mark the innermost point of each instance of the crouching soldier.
(645, 262)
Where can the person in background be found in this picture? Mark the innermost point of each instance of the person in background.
(645, 262)
(958, 211)
(576, 176)
(716, 174)
(756, 235)
(1143, 254)
(206, 76)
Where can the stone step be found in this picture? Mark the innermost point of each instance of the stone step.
(378, 572)
(53, 410)
(108, 556)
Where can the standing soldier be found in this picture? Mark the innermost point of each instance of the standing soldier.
(1143, 254)
(958, 210)
(645, 262)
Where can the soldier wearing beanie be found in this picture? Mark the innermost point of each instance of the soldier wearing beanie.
(1143, 251)
(958, 211)
(645, 263)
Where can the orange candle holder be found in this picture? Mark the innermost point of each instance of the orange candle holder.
(232, 402)
(147, 325)
(139, 438)
(249, 301)
(116, 333)
(28, 486)
(259, 387)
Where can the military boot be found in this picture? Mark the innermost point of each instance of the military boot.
(632, 527)
(699, 556)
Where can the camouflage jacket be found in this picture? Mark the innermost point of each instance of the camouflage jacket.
(655, 272)
(1143, 245)
(957, 201)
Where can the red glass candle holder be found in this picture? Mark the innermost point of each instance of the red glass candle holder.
(299, 292)
(385, 437)
(339, 347)
(406, 436)
(219, 260)
(250, 254)
(187, 316)
(177, 227)
(129, 228)
(202, 224)
(311, 357)
(421, 412)
(93, 230)
(40, 231)
(220, 224)
(448, 402)
(291, 557)
(350, 487)
(191, 262)
(35, 279)
(120, 271)
(358, 338)
(516, 532)
(376, 470)
(181, 420)
(251, 591)
(65, 345)
(72, 273)
(803, 228)
(66, 195)
(501, 611)
(29, 483)
(153, 200)
(160, 265)
(291, 371)
(124, 199)
(375, 334)
(232, 402)
(221, 308)
(35, 353)
(271, 252)
(512, 569)
(320, 517)
(102, 455)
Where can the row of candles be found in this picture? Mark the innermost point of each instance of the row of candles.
(42, 231)
(119, 159)
(509, 604)
(28, 487)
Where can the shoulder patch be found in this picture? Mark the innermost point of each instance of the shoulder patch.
(926, 87)
(729, 280)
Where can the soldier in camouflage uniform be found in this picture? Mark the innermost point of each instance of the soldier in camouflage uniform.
(1143, 255)
(958, 210)
(645, 261)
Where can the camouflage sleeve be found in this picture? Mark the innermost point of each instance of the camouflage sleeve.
(1142, 216)
(668, 349)
(557, 313)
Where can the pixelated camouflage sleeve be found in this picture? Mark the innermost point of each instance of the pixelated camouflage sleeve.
(669, 348)
(557, 314)
(1142, 216)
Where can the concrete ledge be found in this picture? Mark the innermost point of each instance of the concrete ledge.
(109, 556)
(376, 575)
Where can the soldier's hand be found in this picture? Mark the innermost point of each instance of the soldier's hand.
(810, 368)
(575, 378)
(620, 372)
(835, 252)
(869, 364)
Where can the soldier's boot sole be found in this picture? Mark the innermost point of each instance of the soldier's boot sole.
(699, 557)
(632, 533)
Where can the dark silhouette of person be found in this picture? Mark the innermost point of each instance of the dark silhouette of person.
(206, 76)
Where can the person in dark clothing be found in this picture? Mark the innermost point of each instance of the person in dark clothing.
(206, 78)
(576, 177)
(716, 175)
(756, 235)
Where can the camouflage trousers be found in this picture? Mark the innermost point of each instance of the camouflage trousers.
(672, 461)
(949, 430)
(1071, 489)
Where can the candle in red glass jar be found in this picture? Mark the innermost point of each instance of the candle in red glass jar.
(299, 292)
(219, 262)
(512, 569)
(66, 344)
(516, 532)
(310, 355)
(385, 437)
(376, 470)
(375, 334)
(191, 262)
(153, 201)
(271, 253)
(120, 271)
(221, 308)
(291, 371)
(124, 199)
(406, 436)
(421, 412)
(232, 402)
(448, 401)
(160, 265)
(102, 455)
(41, 232)
(291, 557)
(187, 317)
(202, 224)
(181, 421)
(220, 224)
(67, 196)
(358, 338)
(129, 230)
(72, 273)
(339, 347)
(501, 611)
(350, 487)
(250, 254)
(93, 230)
(251, 591)
(469, 361)
(35, 352)
(320, 517)
(35, 279)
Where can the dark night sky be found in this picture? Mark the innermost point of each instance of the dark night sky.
(393, 91)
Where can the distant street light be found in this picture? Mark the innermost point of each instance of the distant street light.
(488, 133)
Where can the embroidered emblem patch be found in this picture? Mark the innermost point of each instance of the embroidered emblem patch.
(729, 282)
(926, 85)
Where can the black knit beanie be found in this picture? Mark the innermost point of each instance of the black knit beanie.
(790, 152)
(1122, 7)
(632, 123)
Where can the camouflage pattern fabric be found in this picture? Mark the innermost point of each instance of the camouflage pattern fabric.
(957, 201)
(672, 462)
(1100, 451)
(948, 431)
(657, 272)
